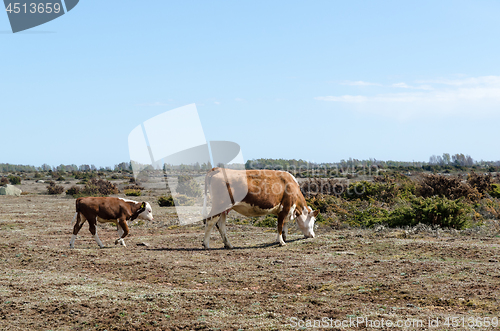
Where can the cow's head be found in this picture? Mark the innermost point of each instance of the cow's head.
(147, 213)
(306, 220)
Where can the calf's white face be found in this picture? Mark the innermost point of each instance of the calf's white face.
(306, 221)
(147, 214)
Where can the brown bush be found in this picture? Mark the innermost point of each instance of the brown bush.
(4, 181)
(73, 190)
(99, 187)
(447, 186)
(54, 189)
(482, 183)
(327, 186)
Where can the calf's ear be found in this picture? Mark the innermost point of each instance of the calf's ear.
(143, 205)
(315, 213)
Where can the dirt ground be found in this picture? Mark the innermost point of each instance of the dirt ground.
(164, 280)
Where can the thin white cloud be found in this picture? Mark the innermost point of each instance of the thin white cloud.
(217, 102)
(469, 97)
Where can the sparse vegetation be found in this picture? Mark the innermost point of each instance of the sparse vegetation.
(166, 201)
(54, 189)
(15, 180)
(131, 192)
(97, 187)
(73, 190)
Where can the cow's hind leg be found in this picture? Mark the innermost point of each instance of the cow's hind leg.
(122, 232)
(281, 226)
(208, 229)
(221, 225)
(80, 219)
(93, 230)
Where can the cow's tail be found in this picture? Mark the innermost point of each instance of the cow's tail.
(74, 218)
(207, 182)
(208, 179)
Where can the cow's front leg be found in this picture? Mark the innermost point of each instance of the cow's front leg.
(281, 219)
(208, 229)
(221, 225)
(122, 227)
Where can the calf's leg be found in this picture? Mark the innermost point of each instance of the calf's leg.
(93, 230)
(122, 232)
(80, 219)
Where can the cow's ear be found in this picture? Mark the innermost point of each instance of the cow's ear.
(315, 213)
(143, 206)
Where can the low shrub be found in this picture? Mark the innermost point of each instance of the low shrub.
(133, 187)
(15, 180)
(134, 193)
(447, 186)
(330, 186)
(54, 189)
(433, 211)
(188, 186)
(60, 179)
(73, 190)
(99, 187)
(482, 183)
(166, 201)
(269, 221)
(4, 181)
(495, 192)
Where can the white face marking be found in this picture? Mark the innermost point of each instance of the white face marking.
(147, 214)
(306, 222)
(250, 210)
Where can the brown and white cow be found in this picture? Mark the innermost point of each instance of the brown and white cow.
(256, 193)
(106, 210)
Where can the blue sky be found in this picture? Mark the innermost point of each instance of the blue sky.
(315, 80)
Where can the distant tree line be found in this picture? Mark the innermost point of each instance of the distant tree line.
(437, 163)
(7, 167)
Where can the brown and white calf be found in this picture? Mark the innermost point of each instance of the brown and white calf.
(106, 210)
(256, 193)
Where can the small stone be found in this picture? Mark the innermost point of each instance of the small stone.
(142, 244)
